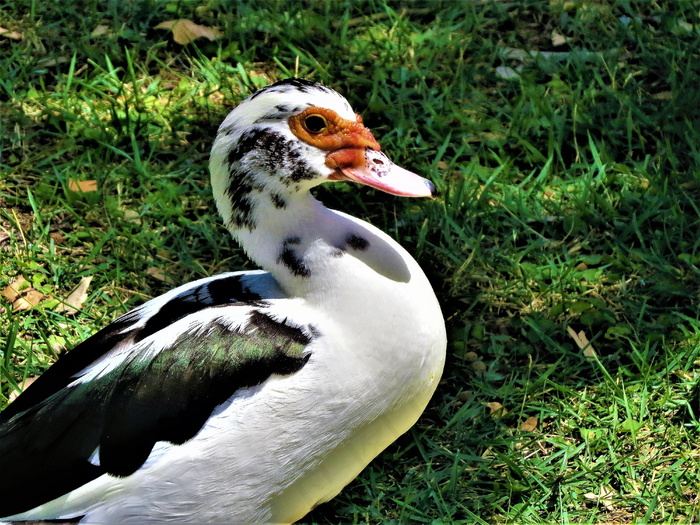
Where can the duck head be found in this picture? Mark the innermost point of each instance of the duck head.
(289, 137)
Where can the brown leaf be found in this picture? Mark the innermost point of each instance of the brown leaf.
(21, 294)
(82, 186)
(27, 300)
(15, 288)
(158, 273)
(663, 95)
(77, 297)
(496, 410)
(558, 39)
(132, 216)
(604, 497)
(186, 31)
(582, 342)
(529, 425)
(14, 35)
(101, 30)
(57, 237)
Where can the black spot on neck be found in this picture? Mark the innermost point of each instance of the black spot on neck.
(357, 243)
(288, 258)
(239, 192)
(278, 201)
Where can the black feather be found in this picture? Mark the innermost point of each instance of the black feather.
(48, 435)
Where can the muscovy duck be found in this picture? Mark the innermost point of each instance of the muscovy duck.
(246, 396)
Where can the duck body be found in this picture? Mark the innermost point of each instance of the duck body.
(248, 396)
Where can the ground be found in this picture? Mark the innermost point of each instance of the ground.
(564, 249)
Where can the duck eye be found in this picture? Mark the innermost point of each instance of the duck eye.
(315, 124)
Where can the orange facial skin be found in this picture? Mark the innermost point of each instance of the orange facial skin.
(326, 130)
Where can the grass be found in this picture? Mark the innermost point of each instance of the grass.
(565, 249)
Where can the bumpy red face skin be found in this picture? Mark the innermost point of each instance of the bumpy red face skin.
(354, 154)
(325, 129)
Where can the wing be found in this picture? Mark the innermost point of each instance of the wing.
(142, 322)
(159, 387)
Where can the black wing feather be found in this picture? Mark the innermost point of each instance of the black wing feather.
(212, 292)
(45, 448)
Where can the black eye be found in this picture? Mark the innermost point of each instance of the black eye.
(315, 124)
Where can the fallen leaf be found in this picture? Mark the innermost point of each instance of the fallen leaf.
(15, 288)
(496, 410)
(158, 273)
(22, 296)
(25, 384)
(100, 30)
(132, 216)
(27, 300)
(582, 342)
(14, 35)
(558, 39)
(82, 186)
(529, 425)
(57, 237)
(186, 31)
(604, 497)
(77, 297)
(662, 95)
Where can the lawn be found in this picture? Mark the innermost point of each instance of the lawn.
(564, 137)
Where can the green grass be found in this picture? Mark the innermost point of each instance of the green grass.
(570, 180)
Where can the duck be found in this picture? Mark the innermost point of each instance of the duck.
(248, 396)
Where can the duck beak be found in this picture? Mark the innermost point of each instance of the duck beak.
(372, 168)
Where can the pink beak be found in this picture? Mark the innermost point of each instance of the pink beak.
(373, 168)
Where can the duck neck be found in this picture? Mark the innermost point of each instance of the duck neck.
(319, 254)
(292, 240)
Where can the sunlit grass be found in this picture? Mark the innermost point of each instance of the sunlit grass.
(563, 137)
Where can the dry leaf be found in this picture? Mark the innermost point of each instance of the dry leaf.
(582, 342)
(558, 39)
(496, 409)
(529, 425)
(15, 288)
(604, 497)
(22, 387)
(27, 300)
(82, 186)
(158, 273)
(77, 297)
(663, 95)
(186, 31)
(57, 237)
(132, 216)
(100, 30)
(14, 35)
(22, 296)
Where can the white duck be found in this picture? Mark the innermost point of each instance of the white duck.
(247, 396)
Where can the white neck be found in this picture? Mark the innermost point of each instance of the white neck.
(307, 247)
